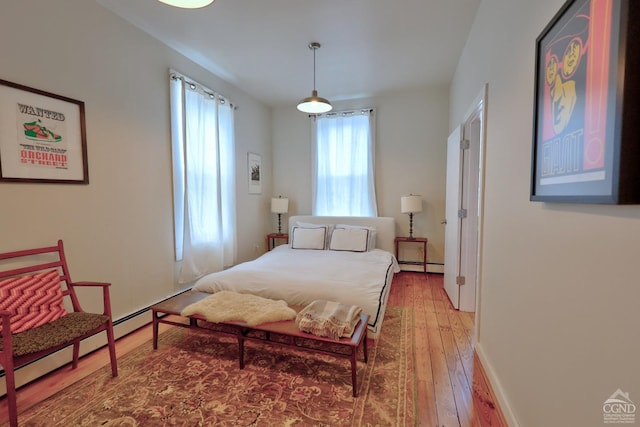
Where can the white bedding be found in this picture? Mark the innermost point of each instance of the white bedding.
(301, 276)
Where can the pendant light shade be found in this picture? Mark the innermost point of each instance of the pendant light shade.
(187, 4)
(314, 104)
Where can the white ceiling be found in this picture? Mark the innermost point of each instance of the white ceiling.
(369, 47)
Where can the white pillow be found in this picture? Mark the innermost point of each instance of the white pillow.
(371, 243)
(349, 239)
(308, 238)
(328, 228)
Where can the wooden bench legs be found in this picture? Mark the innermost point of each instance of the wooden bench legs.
(243, 333)
(241, 349)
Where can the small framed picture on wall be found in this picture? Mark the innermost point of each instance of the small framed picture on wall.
(254, 168)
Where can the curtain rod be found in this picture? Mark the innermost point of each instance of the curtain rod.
(194, 85)
(344, 112)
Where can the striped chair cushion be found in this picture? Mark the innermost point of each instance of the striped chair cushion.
(32, 300)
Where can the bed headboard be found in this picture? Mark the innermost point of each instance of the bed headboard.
(385, 226)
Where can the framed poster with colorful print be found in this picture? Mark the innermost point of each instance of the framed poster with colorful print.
(42, 137)
(586, 140)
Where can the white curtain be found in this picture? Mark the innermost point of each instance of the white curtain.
(204, 179)
(344, 178)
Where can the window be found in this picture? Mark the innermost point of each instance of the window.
(202, 139)
(344, 180)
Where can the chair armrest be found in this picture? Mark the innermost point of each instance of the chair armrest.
(105, 294)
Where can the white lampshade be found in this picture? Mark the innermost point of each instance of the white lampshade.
(187, 4)
(411, 204)
(279, 205)
(314, 104)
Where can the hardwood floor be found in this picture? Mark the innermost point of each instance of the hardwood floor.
(451, 386)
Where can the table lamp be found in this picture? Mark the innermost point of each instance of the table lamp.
(411, 204)
(279, 205)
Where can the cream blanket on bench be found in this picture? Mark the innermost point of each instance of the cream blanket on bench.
(328, 319)
(226, 306)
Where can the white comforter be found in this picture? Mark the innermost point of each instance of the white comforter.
(302, 276)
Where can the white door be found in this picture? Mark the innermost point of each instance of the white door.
(463, 196)
(453, 223)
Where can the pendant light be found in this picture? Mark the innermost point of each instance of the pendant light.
(187, 4)
(314, 104)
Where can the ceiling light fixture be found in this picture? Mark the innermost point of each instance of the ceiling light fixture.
(187, 4)
(314, 104)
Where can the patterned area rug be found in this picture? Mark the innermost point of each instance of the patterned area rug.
(193, 379)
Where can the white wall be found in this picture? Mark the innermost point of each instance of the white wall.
(410, 158)
(559, 286)
(118, 228)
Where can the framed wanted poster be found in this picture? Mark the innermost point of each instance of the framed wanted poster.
(42, 137)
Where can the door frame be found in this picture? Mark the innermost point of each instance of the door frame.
(469, 201)
(470, 196)
(478, 109)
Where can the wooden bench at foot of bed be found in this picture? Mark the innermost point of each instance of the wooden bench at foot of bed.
(284, 333)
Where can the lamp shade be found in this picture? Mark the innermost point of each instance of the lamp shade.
(411, 204)
(187, 4)
(279, 205)
(314, 104)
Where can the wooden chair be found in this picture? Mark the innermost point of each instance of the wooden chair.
(20, 348)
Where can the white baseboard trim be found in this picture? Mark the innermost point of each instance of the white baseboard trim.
(505, 407)
(431, 268)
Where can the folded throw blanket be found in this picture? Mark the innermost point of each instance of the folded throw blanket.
(225, 306)
(328, 319)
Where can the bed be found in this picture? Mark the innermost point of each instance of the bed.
(306, 269)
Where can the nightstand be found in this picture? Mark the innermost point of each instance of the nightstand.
(273, 238)
(419, 240)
